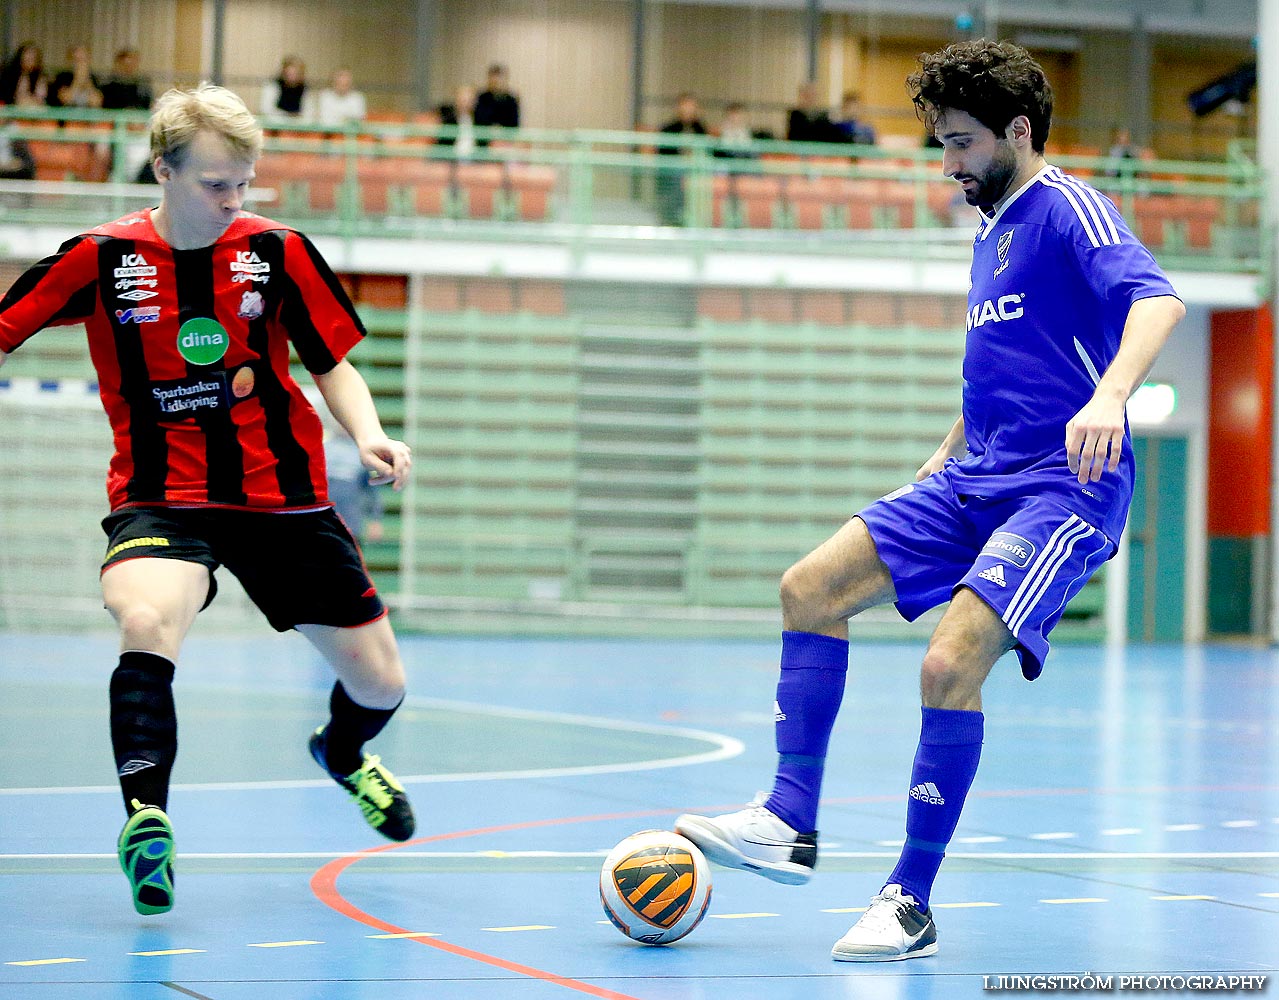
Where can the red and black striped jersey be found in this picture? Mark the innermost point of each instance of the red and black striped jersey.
(191, 349)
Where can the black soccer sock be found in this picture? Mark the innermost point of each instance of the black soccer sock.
(144, 727)
(350, 727)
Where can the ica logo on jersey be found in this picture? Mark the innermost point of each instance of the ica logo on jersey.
(998, 310)
(133, 265)
(248, 262)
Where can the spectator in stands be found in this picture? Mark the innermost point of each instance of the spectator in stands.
(126, 88)
(286, 99)
(16, 161)
(670, 183)
(22, 82)
(76, 86)
(462, 114)
(807, 122)
(497, 105)
(735, 136)
(1121, 148)
(852, 125)
(340, 104)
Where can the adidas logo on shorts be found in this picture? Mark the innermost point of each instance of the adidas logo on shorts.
(995, 574)
(926, 791)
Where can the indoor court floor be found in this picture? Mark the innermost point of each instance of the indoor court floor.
(1125, 820)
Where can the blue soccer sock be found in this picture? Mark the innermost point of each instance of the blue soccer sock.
(809, 691)
(945, 765)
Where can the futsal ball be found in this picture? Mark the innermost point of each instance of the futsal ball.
(655, 886)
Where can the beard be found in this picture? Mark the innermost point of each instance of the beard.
(993, 184)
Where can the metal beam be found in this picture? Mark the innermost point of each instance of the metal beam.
(423, 42)
(1268, 154)
(813, 35)
(637, 62)
(1139, 70)
(218, 56)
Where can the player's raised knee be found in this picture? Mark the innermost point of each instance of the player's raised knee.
(945, 681)
(143, 624)
(802, 593)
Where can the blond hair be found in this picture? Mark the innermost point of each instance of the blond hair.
(180, 114)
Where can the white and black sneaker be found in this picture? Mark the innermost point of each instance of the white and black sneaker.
(892, 928)
(754, 840)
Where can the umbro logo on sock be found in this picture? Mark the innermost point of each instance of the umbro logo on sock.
(995, 574)
(778, 714)
(927, 792)
(134, 766)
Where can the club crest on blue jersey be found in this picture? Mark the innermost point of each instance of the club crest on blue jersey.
(1005, 242)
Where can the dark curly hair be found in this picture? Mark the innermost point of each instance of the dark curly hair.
(992, 81)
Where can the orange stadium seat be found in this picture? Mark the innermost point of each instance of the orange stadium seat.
(479, 184)
(896, 203)
(427, 182)
(543, 298)
(441, 294)
(824, 308)
(384, 291)
(1192, 219)
(489, 295)
(857, 198)
(874, 308)
(815, 201)
(531, 185)
(759, 199)
(772, 305)
(63, 161)
(723, 304)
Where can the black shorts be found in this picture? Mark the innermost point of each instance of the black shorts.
(299, 569)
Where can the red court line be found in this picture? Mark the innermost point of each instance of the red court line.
(324, 885)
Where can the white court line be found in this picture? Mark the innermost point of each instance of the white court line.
(521, 927)
(726, 747)
(586, 855)
(741, 916)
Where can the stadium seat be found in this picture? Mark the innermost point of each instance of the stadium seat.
(478, 185)
(531, 186)
(543, 298)
(725, 304)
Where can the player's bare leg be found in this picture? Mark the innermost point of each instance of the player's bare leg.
(369, 689)
(154, 601)
(775, 836)
(842, 577)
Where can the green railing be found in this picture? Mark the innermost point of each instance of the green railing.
(404, 180)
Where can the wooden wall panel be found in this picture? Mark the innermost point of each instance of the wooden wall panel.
(569, 60)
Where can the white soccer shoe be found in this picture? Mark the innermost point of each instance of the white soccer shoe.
(892, 928)
(754, 840)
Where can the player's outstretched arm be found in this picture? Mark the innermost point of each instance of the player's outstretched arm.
(348, 399)
(954, 446)
(1095, 435)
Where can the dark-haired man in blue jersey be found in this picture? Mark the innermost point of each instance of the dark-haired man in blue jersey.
(1022, 502)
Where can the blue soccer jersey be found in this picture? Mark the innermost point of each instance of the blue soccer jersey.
(1055, 271)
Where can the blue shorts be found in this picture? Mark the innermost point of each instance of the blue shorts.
(1024, 556)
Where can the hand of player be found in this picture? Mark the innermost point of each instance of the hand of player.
(1095, 438)
(934, 464)
(388, 460)
(940, 456)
